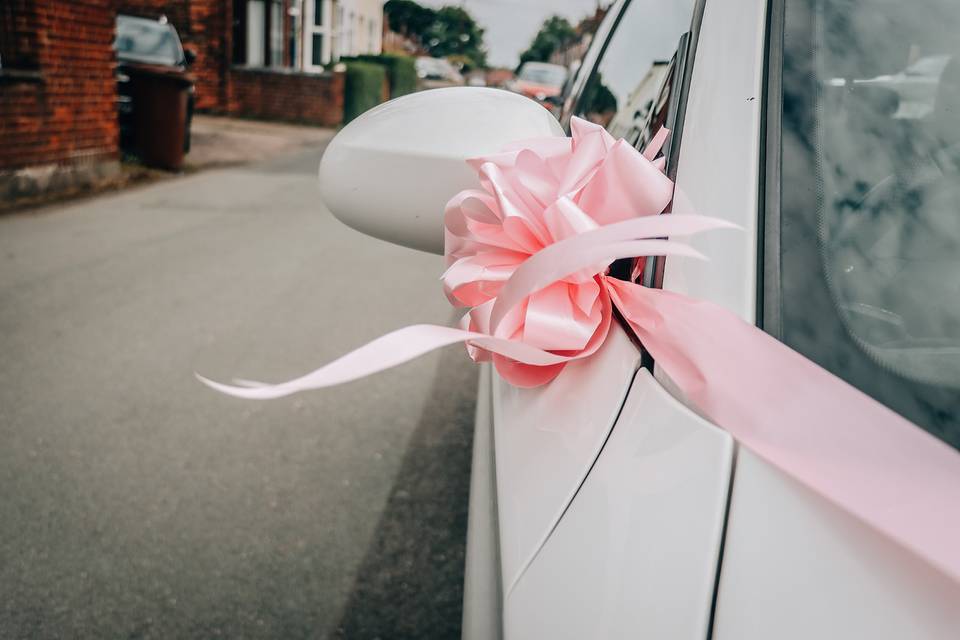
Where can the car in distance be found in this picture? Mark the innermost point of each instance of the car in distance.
(539, 80)
(434, 73)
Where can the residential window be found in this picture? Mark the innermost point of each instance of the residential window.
(18, 47)
(256, 26)
(339, 30)
(316, 34)
(261, 24)
(276, 33)
(350, 23)
(293, 37)
(317, 49)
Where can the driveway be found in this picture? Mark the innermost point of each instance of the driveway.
(137, 503)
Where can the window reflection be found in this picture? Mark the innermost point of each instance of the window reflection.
(623, 90)
(870, 219)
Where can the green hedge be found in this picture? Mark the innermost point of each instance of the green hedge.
(363, 88)
(400, 69)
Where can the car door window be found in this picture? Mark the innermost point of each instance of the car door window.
(864, 235)
(624, 87)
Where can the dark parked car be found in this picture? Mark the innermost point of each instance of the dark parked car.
(144, 43)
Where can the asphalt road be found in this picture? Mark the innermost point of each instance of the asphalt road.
(136, 503)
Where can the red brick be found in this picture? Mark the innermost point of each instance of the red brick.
(71, 109)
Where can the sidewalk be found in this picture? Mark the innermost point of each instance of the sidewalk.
(215, 142)
(219, 141)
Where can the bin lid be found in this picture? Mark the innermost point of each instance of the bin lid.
(159, 71)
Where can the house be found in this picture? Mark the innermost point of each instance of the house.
(58, 112)
(305, 35)
(270, 59)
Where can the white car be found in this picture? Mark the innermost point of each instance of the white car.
(602, 506)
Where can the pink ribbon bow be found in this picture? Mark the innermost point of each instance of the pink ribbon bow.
(528, 254)
(536, 194)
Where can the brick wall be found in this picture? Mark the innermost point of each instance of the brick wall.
(207, 27)
(58, 89)
(296, 97)
(59, 107)
(211, 37)
(176, 11)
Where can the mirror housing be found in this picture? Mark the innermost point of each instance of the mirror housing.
(391, 172)
(189, 55)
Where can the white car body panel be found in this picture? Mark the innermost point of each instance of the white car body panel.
(797, 567)
(391, 172)
(545, 441)
(482, 597)
(719, 156)
(636, 554)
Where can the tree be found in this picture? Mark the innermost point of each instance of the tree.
(448, 31)
(555, 33)
(409, 18)
(454, 32)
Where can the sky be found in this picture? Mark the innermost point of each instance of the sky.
(511, 24)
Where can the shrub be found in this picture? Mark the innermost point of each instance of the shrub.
(400, 69)
(363, 88)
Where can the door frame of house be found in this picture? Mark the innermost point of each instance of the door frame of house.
(311, 29)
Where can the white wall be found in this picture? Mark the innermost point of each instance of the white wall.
(361, 29)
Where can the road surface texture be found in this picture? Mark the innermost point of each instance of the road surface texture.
(136, 503)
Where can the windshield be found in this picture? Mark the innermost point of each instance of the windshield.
(147, 41)
(869, 244)
(551, 75)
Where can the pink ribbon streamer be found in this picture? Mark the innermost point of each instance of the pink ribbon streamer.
(528, 255)
(813, 426)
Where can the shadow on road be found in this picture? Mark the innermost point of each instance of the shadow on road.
(410, 584)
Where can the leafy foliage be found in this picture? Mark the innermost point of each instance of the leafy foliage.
(455, 32)
(597, 96)
(363, 88)
(408, 17)
(448, 31)
(555, 33)
(400, 70)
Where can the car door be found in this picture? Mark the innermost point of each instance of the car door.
(861, 274)
(619, 536)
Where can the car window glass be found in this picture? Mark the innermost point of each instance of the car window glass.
(624, 88)
(581, 70)
(869, 281)
(146, 41)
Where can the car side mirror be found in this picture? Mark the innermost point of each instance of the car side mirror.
(390, 172)
(189, 55)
